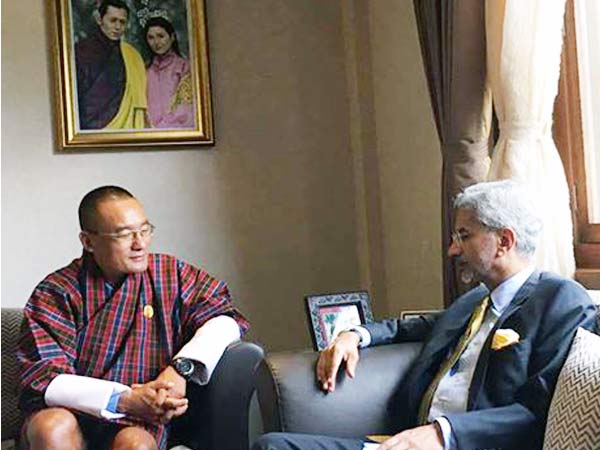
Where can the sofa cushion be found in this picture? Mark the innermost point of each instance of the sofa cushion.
(11, 415)
(574, 415)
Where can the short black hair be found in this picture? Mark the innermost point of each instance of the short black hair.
(89, 204)
(114, 3)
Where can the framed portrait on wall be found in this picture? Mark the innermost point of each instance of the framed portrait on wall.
(330, 314)
(131, 73)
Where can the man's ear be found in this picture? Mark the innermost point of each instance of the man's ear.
(98, 19)
(507, 240)
(86, 241)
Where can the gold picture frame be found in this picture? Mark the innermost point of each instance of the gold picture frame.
(84, 116)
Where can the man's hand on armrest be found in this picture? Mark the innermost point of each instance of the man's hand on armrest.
(343, 348)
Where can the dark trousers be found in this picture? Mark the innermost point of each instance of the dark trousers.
(296, 441)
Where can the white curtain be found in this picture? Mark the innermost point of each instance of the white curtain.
(524, 41)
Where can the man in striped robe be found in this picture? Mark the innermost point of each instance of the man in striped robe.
(109, 342)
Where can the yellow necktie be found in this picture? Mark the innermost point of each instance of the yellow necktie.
(474, 325)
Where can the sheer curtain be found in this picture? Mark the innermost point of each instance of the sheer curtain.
(524, 40)
(452, 36)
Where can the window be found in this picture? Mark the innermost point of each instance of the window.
(577, 132)
(587, 23)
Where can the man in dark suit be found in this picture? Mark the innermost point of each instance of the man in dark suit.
(489, 364)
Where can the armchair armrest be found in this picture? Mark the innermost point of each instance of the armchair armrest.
(12, 418)
(219, 411)
(290, 399)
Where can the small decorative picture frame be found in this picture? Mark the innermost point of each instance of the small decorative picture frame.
(330, 314)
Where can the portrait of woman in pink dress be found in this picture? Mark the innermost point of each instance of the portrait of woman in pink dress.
(169, 84)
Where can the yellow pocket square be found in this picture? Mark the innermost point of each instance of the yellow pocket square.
(504, 337)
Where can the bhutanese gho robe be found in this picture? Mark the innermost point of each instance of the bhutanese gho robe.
(101, 79)
(132, 110)
(77, 323)
(170, 93)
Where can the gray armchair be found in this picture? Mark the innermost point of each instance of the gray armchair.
(218, 417)
(291, 401)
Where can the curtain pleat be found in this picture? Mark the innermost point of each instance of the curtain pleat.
(524, 41)
(452, 38)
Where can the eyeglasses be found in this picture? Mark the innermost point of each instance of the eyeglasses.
(463, 235)
(460, 236)
(127, 236)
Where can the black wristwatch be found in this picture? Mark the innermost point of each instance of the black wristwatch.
(184, 367)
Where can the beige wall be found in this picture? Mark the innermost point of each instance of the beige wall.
(324, 176)
(270, 208)
(409, 161)
(396, 158)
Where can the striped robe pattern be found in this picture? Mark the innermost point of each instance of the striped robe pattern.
(75, 322)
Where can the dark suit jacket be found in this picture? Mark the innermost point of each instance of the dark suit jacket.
(511, 388)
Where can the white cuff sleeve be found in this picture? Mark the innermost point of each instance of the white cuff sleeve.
(208, 344)
(446, 432)
(85, 394)
(370, 445)
(365, 336)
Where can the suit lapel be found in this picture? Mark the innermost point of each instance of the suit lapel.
(521, 296)
(450, 326)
